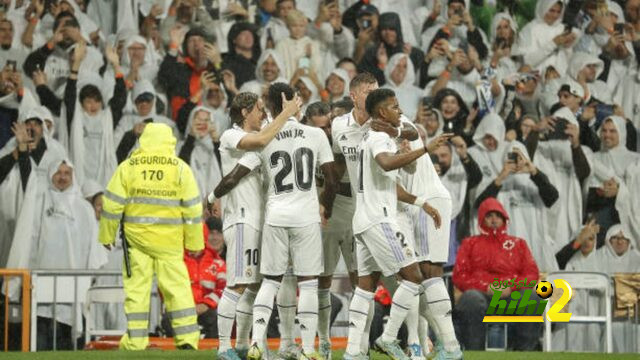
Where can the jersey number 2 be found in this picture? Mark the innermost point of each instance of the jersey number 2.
(302, 162)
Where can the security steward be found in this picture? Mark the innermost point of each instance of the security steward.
(156, 196)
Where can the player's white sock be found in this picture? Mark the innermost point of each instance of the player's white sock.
(412, 325)
(364, 345)
(423, 335)
(439, 305)
(226, 315)
(286, 301)
(358, 312)
(262, 308)
(308, 314)
(324, 314)
(244, 317)
(405, 298)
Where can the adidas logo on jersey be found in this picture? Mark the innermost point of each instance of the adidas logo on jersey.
(302, 327)
(261, 321)
(352, 325)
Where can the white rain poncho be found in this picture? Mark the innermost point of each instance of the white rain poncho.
(342, 74)
(11, 190)
(555, 158)
(128, 121)
(506, 65)
(598, 88)
(203, 162)
(527, 213)
(407, 93)
(256, 86)
(535, 42)
(455, 181)
(489, 162)
(58, 231)
(91, 143)
(612, 163)
(582, 337)
(628, 203)
(611, 263)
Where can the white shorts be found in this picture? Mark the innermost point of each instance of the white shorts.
(301, 245)
(383, 247)
(337, 236)
(243, 254)
(432, 244)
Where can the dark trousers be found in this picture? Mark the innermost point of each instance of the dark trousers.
(207, 320)
(45, 335)
(471, 331)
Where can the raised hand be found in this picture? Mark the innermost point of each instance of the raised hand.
(438, 141)
(291, 107)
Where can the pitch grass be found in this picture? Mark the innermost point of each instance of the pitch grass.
(337, 355)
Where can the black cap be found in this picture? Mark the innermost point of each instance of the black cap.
(145, 96)
(368, 9)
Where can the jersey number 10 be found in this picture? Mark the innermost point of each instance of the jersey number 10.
(302, 162)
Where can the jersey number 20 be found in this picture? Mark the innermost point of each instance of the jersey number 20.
(302, 162)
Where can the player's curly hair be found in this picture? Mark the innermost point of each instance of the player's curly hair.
(274, 99)
(375, 98)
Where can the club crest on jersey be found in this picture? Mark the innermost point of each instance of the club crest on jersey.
(249, 272)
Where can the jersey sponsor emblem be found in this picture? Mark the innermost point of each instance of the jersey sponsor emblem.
(486, 171)
(508, 245)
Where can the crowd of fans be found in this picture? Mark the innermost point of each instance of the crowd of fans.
(542, 97)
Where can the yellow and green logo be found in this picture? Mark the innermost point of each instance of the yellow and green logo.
(520, 307)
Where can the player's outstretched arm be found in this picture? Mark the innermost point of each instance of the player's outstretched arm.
(389, 161)
(260, 139)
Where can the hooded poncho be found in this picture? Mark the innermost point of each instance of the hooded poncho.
(407, 93)
(535, 42)
(56, 231)
(203, 161)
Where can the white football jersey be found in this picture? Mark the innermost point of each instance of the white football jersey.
(243, 204)
(376, 197)
(290, 161)
(425, 181)
(347, 135)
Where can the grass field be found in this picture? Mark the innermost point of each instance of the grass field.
(337, 355)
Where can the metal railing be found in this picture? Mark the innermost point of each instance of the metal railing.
(26, 303)
(41, 296)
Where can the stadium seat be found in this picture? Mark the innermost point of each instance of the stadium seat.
(100, 295)
(585, 280)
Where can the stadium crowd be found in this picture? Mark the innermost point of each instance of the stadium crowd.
(534, 104)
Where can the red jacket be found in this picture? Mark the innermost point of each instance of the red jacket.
(208, 274)
(494, 254)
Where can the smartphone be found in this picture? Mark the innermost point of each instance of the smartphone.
(448, 126)
(513, 156)
(427, 102)
(558, 132)
(619, 28)
(366, 24)
(147, 120)
(12, 65)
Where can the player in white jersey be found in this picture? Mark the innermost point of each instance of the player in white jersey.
(381, 246)
(337, 234)
(242, 211)
(292, 222)
(431, 246)
(347, 132)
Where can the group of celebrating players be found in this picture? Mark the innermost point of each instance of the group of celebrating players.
(381, 204)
